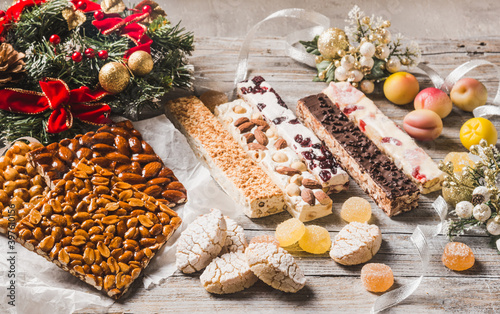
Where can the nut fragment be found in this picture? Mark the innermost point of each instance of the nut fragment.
(308, 196)
(297, 179)
(261, 137)
(293, 189)
(240, 121)
(239, 109)
(311, 184)
(246, 127)
(256, 146)
(280, 144)
(322, 197)
(47, 243)
(249, 137)
(280, 157)
(299, 165)
(287, 170)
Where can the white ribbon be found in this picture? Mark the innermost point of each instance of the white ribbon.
(9, 144)
(420, 238)
(298, 54)
(446, 84)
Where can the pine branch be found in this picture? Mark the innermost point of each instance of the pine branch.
(19, 125)
(311, 46)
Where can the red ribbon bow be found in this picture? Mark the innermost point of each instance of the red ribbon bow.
(14, 12)
(64, 103)
(128, 27)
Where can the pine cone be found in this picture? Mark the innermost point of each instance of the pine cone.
(11, 64)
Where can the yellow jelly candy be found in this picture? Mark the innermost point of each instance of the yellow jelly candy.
(458, 256)
(356, 209)
(476, 129)
(377, 277)
(290, 231)
(459, 161)
(316, 240)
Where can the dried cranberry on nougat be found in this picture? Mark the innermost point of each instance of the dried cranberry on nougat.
(319, 160)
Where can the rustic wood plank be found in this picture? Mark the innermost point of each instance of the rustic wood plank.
(332, 286)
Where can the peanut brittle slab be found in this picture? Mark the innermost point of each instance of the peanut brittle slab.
(119, 149)
(100, 229)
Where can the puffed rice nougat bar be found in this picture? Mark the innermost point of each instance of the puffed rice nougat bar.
(230, 166)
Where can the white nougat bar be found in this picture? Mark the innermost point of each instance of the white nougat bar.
(319, 160)
(388, 137)
(272, 156)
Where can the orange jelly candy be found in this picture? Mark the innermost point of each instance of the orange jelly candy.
(377, 277)
(458, 256)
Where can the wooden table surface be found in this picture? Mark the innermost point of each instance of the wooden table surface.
(330, 286)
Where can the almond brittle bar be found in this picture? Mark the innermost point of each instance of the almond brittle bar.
(121, 150)
(97, 227)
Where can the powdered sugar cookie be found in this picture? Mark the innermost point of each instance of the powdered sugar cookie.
(275, 266)
(229, 273)
(356, 243)
(201, 242)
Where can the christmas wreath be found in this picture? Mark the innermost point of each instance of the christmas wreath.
(65, 65)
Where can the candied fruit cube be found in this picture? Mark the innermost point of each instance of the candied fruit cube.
(458, 256)
(290, 231)
(316, 240)
(459, 161)
(356, 209)
(377, 277)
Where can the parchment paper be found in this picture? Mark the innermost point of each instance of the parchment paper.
(42, 287)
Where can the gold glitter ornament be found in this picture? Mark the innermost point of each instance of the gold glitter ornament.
(455, 194)
(405, 61)
(114, 77)
(386, 24)
(365, 20)
(140, 63)
(319, 59)
(331, 41)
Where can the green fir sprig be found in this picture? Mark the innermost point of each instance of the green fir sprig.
(30, 35)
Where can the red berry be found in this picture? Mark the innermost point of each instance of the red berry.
(55, 39)
(362, 125)
(417, 175)
(77, 56)
(392, 140)
(2, 13)
(81, 5)
(350, 109)
(102, 54)
(89, 53)
(146, 9)
(98, 15)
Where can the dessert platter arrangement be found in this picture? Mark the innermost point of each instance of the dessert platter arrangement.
(305, 183)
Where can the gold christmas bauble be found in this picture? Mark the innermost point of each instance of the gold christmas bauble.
(454, 195)
(114, 77)
(140, 63)
(331, 41)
